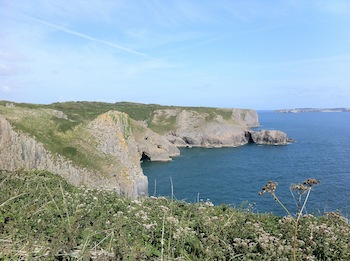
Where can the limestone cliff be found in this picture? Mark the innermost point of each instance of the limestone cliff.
(151, 145)
(114, 136)
(108, 138)
(219, 128)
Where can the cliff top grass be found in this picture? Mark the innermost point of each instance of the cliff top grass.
(84, 111)
(42, 217)
(58, 134)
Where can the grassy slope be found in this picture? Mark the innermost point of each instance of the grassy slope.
(43, 217)
(58, 135)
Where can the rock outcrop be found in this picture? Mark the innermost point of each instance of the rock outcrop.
(270, 137)
(194, 128)
(152, 146)
(122, 172)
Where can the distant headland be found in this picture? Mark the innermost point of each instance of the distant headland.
(298, 110)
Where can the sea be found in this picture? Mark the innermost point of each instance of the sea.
(235, 176)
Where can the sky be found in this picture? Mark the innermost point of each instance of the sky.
(253, 54)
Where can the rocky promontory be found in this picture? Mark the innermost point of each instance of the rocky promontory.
(269, 137)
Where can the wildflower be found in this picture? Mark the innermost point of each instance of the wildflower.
(270, 187)
(173, 220)
(164, 208)
(81, 205)
(149, 226)
(142, 214)
(209, 203)
(137, 202)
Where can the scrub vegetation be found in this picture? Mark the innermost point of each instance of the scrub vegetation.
(42, 217)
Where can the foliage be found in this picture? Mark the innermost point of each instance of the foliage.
(42, 217)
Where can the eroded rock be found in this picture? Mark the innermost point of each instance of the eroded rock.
(270, 137)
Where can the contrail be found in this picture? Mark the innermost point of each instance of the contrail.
(66, 30)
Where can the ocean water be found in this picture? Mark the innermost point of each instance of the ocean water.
(235, 176)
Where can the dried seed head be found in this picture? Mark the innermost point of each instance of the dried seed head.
(300, 187)
(310, 182)
(270, 187)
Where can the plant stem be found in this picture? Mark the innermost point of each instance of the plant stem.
(279, 202)
(302, 208)
(295, 241)
(4, 203)
(65, 206)
(172, 188)
(162, 240)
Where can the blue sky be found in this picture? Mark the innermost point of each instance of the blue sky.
(242, 54)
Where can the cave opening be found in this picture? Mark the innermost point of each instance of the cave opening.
(145, 157)
(248, 135)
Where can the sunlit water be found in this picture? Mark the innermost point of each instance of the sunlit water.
(235, 175)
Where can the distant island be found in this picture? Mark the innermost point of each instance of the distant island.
(298, 110)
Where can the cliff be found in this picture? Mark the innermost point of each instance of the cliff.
(102, 154)
(211, 128)
(100, 145)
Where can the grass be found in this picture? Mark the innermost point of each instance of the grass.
(80, 112)
(42, 217)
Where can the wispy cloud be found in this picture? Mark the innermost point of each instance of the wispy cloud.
(88, 37)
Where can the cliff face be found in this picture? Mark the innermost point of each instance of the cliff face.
(270, 137)
(114, 136)
(151, 145)
(116, 147)
(196, 128)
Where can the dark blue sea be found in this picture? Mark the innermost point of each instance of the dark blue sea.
(234, 176)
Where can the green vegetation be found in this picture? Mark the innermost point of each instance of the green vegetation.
(83, 112)
(42, 217)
